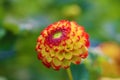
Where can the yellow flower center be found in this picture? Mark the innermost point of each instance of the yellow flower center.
(57, 35)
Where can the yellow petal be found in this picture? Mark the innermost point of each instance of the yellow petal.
(76, 60)
(52, 53)
(77, 52)
(44, 53)
(66, 63)
(84, 49)
(68, 55)
(73, 25)
(68, 47)
(60, 56)
(74, 39)
(56, 62)
(82, 40)
(78, 45)
(69, 41)
(48, 58)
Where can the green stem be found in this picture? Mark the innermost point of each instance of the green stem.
(69, 74)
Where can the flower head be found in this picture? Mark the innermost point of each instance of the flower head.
(61, 44)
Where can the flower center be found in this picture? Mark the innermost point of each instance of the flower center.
(57, 35)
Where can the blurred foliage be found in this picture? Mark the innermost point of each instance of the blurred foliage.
(21, 22)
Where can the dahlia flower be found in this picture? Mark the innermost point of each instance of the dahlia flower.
(61, 44)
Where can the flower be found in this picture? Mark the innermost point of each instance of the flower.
(61, 44)
(111, 49)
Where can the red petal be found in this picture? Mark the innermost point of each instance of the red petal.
(66, 67)
(86, 35)
(82, 28)
(87, 44)
(47, 50)
(48, 65)
(56, 67)
(77, 62)
(40, 56)
(84, 55)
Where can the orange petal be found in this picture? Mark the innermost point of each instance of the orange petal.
(39, 39)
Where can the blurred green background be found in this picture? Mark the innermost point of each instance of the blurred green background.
(22, 20)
